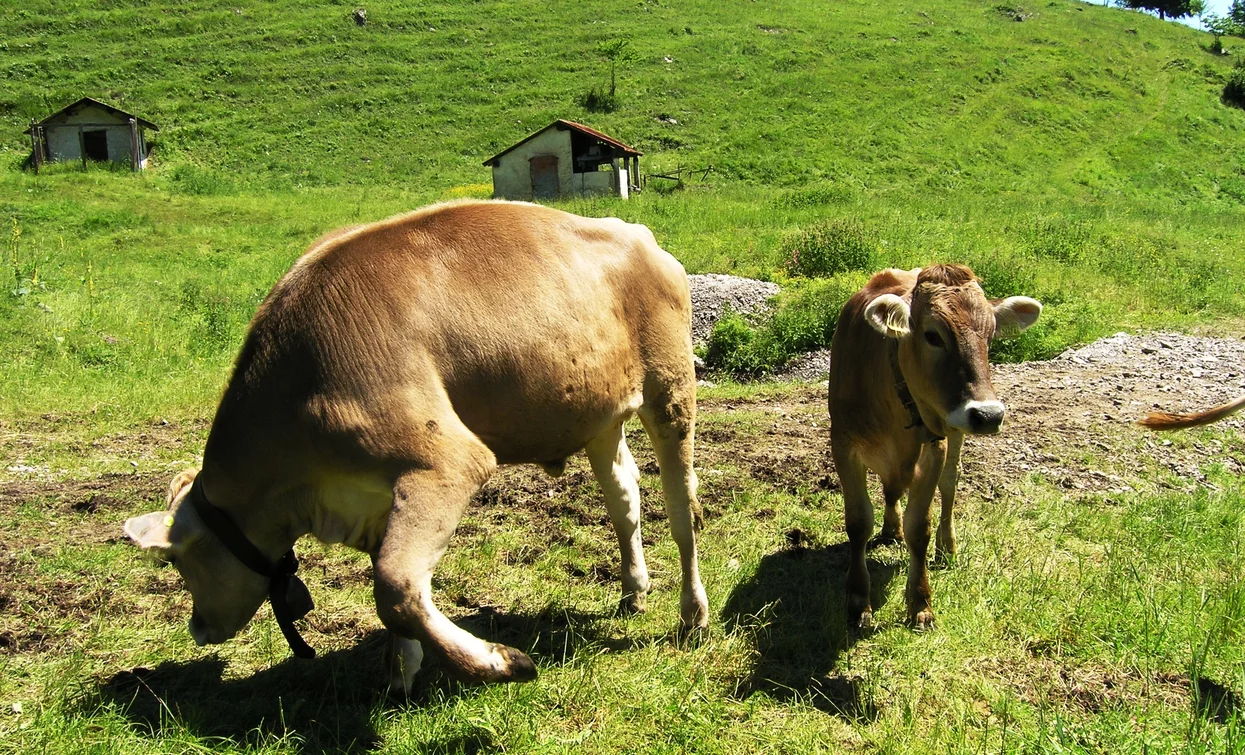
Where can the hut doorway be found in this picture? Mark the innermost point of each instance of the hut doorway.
(544, 176)
(95, 145)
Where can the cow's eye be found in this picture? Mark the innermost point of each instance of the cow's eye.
(933, 339)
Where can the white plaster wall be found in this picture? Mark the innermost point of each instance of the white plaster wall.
(63, 135)
(512, 178)
(63, 142)
(597, 182)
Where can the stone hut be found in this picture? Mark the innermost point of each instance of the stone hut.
(565, 159)
(90, 130)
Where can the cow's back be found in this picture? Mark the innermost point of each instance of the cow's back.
(522, 316)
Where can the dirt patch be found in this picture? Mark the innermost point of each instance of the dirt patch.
(1070, 424)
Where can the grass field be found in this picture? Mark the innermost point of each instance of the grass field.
(1095, 623)
(1075, 153)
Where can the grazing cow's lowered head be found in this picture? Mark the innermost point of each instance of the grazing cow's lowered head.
(943, 339)
(226, 593)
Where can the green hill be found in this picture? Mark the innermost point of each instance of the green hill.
(1075, 152)
(1075, 101)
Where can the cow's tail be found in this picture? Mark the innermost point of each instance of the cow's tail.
(1167, 421)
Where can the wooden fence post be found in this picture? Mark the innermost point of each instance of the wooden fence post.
(36, 154)
(134, 164)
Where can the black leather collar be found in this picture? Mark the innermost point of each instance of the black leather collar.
(905, 396)
(287, 593)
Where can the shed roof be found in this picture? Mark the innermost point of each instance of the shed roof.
(573, 126)
(89, 101)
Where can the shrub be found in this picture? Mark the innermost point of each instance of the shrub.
(828, 248)
(1234, 90)
(804, 321)
(1003, 275)
(598, 101)
(731, 336)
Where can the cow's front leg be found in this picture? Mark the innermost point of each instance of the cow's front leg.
(944, 543)
(427, 504)
(619, 477)
(917, 532)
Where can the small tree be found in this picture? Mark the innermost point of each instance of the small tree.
(615, 51)
(1167, 8)
(1231, 25)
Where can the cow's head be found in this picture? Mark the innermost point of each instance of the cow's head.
(944, 335)
(226, 593)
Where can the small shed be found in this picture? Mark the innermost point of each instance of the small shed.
(565, 159)
(90, 130)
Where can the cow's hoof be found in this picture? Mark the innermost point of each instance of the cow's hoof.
(633, 603)
(944, 559)
(519, 667)
(864, 622)
(923, 620)
(692, 637)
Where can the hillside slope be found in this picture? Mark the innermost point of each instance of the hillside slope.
(1074, 99)
(1071, 152)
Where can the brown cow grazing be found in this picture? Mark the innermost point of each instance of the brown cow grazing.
(1168, 421)
(388, 374)
(909, 376)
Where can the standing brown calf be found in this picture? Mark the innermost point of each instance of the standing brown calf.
(909, 377)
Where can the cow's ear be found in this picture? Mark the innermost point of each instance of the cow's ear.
(889, 315)
(1013, 314)
(155, 533)
(179, 483)
(151, 532)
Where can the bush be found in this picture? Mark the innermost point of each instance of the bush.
(1003, 276)
(731, 337)
(1234, 90)
(598, 101)
(829, 248)
(804, 321)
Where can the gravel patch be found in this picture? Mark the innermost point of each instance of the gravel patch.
(712, 293)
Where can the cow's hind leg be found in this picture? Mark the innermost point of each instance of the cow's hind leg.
(858, 518)
(892, 526)
(427, 504)
(670, 421)
(619, 477)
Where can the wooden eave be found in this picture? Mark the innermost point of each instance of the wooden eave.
(89, 101)
(565, 125)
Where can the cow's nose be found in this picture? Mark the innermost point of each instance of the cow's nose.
(986, 417)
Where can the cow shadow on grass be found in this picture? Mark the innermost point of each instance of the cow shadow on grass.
(794, 608)
(330, 703)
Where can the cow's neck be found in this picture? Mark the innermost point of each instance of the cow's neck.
(905, 396)
(267, 527)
